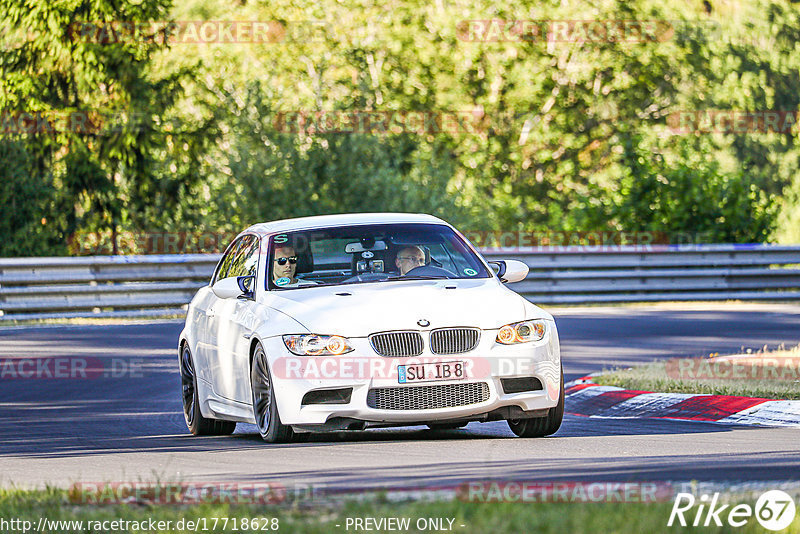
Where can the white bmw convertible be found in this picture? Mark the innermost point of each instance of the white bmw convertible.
(343, 322)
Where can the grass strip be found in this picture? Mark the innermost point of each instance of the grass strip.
(771, 375)
(468, 517)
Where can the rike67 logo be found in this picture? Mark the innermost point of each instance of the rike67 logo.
(774, 510)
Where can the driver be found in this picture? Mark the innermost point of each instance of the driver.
(409, 258)
(284, 268)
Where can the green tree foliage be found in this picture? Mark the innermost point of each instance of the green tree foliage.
(281, 174)
(28, 198)
(555, 116)
(99, 142)
(565, 133)
(689, 195)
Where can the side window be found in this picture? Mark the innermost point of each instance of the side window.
(251, 262)
(246, 259)
(225, 264)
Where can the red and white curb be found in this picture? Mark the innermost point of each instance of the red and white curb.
(585, 398)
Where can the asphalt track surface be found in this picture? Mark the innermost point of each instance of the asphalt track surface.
(131, 428)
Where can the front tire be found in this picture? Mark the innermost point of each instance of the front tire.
(541, 426)
(265, 408)
(197, 424)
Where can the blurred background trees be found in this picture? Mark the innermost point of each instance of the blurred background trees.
(563, 135)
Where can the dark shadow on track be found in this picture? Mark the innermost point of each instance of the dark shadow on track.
(91, 436)
(729, 467)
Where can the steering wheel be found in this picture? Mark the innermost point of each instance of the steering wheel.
(430, 270)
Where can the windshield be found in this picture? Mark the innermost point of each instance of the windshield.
(370, 253)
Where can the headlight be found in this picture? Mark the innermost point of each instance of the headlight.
(315, 345)
(521, 332)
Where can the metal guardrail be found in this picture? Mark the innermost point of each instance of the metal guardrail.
(101, 286)
(572, 275)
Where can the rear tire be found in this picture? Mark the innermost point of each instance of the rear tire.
(541, 426)
(197, 424)
(265, 408)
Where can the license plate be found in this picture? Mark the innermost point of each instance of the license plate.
(430, 372)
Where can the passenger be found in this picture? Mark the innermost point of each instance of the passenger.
(409, 258)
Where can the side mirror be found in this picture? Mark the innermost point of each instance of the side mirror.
(499, 268)
(509, 271)
(234, 287)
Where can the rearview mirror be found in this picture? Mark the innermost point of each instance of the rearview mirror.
(364, 245)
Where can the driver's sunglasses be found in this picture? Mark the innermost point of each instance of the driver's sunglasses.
(282, 261)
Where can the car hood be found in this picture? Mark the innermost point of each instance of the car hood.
(358, 310)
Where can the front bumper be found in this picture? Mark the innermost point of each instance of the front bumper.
(364, 370)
